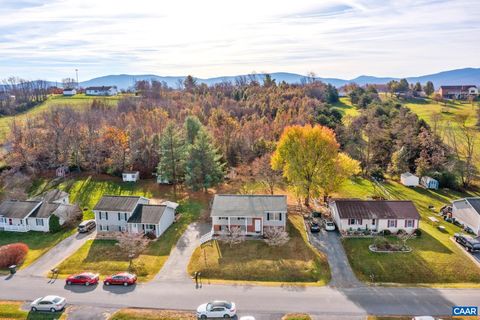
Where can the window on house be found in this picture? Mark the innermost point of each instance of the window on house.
(106, 215)
(274, 216)
(392, 223)
(119, 217)
(39, 222)
(125, 214)
(374, 222)
(352, 222)
(409, 223)
(222, 218)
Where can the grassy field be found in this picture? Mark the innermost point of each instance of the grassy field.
(151, 314)
(10, 310)
(435, 258)
(102, 256)
(254, 260)
(38, 242)
(78, 101)
(346, 108)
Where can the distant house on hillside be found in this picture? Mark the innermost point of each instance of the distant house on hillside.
(101, 91)
(410, 180)
(377, 215)
(458, 92)
(69, 92)
(429, 182)
(62, 171)
(130, 176)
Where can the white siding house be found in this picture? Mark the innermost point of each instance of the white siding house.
(252, 213)
(375, 215)
(133, 214)
(69, 92)
(131, 176)
(410, 180)
(429, 182)
(467, 211)
(101, 91)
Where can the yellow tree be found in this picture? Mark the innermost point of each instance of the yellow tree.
(309, 159)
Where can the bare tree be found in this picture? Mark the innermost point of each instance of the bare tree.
(131, 244)
(276, 237)
(234, 236)
(15, 184)
(262, 169)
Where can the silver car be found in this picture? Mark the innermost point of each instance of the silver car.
(48, 303)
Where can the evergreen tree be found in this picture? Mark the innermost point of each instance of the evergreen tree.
(172, 151)
(192, 127)
(204, 168)
(429, 89)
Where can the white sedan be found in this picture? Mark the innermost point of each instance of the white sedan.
(329, 225)
(216, 309)
(48, 303)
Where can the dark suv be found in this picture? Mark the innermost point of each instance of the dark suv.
(86, 226)
(468, 242)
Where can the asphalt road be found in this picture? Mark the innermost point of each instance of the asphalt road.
(321, 301)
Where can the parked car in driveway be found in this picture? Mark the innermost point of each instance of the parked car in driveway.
(314, 227)
(468, 242)
(48, 303)
(216, 309)
(86, 278)
(124, 278)
(329, 225)
(86, 226)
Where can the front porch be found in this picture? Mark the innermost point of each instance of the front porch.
(143, 228)
(248, 226)
(14, 227)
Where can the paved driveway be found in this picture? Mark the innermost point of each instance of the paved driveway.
(57, 254)
(331, 244)
(175, 269)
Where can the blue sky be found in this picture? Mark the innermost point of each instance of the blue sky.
(333, 38)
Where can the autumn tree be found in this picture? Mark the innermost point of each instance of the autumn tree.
(343, 167)
(263, 171)
(204, 168)
(172, 152)
(116, 141)
(307, 156)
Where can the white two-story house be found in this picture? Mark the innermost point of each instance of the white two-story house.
(252, 213)
(133, 214)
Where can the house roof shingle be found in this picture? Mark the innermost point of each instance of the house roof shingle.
(225, 205)
(376, 209)
(51, 195)
(101, 88)
(475, 203)
(17, 209)
(45, 210)
(117, 203)
(147, 213)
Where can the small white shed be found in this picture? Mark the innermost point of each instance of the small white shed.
(69, 92)
(410, 180)
(429, 182)
(131, 176)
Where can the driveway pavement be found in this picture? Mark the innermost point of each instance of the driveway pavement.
(57, 254)
(330, 244)
(175, 269)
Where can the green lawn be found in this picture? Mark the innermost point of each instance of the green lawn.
(103, 257)
(10, 310)
(38, 242)
(151, 314)
(86, 191)
(254, 260)
(435, 258)
(78, 101)
(346, 108)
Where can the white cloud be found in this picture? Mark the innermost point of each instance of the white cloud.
(340, 38)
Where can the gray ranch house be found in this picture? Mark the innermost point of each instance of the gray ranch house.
(252, 213)
(467, 211)
(375, 215)
(133, 214)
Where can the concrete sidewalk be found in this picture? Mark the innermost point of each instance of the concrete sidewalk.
(42, 266)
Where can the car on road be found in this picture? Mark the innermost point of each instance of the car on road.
(314, 227)
(217, 309)
(329, 225)
(124, 278)
(471, 244)
(48, 303)
(85, 278)
(86, 226)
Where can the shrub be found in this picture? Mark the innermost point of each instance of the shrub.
(418, 232)
(138, 268)
(151, 235)
(54, 224)
(12, 254)
(400, 232)
(386, 232)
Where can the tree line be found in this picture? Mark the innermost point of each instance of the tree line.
(17, 95)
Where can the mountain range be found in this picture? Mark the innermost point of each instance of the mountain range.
(451, 77)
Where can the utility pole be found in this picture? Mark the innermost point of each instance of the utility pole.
(76, 72)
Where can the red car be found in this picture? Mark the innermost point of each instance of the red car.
(123, 278)
(86, 278)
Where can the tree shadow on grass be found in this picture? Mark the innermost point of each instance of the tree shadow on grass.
(45, 315)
